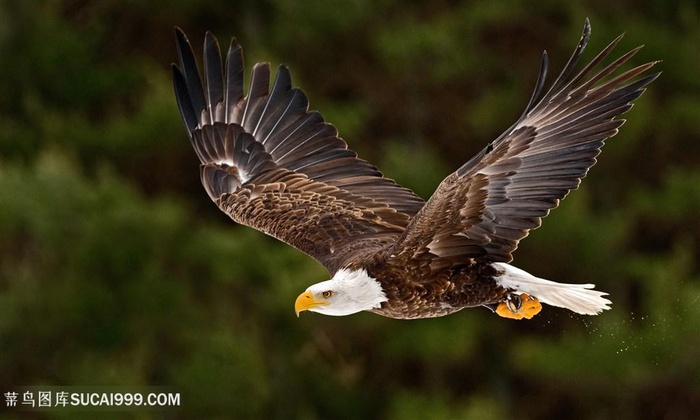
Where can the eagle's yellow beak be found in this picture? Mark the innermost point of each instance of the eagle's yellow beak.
(306, 301)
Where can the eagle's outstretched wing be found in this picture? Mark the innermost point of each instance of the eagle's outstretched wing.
(492, 202)
(271, 164)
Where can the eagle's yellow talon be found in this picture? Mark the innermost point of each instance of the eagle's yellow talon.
(530, 307)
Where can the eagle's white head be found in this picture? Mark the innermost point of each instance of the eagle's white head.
(348, 292)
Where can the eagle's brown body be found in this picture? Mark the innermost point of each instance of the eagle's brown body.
(443, 293)
(270, 163)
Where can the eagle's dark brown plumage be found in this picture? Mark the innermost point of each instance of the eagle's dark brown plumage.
(270, 163)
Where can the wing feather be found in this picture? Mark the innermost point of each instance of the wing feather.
(492, 202)
(214, 74)
(272, 164)
(234, 82)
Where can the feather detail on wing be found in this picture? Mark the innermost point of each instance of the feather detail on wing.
(489, 204)
(272, 164)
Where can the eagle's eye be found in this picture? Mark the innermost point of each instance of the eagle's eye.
(327, 294)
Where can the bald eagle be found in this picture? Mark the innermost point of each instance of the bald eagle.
(271, 164)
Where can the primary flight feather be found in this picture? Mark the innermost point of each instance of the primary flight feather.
(270, 163)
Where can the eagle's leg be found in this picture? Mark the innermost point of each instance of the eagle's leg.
(519, 306)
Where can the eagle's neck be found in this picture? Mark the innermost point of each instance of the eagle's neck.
(362, 289)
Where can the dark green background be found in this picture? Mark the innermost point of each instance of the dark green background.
(116, 269)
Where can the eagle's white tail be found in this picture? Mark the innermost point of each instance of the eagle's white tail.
(580, 298)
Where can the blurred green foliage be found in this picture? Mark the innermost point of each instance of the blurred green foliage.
(115, 269)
